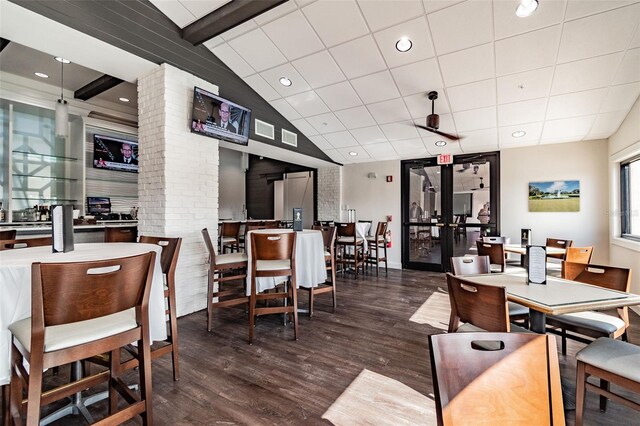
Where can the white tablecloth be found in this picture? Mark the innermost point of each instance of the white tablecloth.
(362, 228)
(15, 286)
(310, 266)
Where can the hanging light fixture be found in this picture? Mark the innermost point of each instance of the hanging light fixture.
(62, 107)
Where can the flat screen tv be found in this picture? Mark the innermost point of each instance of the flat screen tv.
(219, 118)
(115, 154)
(98, 205)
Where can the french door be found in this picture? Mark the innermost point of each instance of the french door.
(447, 208)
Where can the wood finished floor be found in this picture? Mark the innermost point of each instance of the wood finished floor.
(278, 381)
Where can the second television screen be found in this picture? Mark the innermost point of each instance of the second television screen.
(219, 118)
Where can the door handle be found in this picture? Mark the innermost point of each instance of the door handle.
(440, 225)
(453, 225)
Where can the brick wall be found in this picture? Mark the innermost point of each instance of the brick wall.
(329, 193)
(178, 177)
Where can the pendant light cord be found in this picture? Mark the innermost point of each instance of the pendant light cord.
(62, 82)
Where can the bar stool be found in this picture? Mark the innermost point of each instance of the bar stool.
(348, 241)
(229, 237)
(375, 243)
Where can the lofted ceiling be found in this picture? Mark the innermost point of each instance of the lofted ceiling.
(569, 72)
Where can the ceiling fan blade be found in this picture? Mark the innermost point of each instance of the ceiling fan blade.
(437, 132)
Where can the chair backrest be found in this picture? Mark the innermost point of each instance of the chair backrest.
(578, 254)
(25, 242)
(484, 306)
(271, 224)
(169, 254)
(503, 240)
(495, 251)
(71, 292)
(346, 229)
(230, 229)
(467, 265)
(210, 248)
(328, 236)
(381, 229)
(554, 242)
(120, 234)
(480, 376)
(273, 246)
(8, 234)
(610, 277)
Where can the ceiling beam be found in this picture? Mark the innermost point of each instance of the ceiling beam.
(97, 86)
(3, 43)
(226, 17)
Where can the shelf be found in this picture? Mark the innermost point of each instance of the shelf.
(42, 199)
(44, 177)
(53, 157)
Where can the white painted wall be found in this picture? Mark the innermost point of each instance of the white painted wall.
(623, 144)
(231, 186)
(585, 161)
(374, 199)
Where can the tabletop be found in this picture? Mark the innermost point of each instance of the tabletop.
(518, 249)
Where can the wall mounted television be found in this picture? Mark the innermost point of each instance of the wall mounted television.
(115, 154)
(98, 205)
(219, 118)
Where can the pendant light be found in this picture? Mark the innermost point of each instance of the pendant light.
(62, 107)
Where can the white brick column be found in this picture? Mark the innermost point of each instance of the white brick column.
(329, 193)
(178, 177)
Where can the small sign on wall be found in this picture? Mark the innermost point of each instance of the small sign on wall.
(389, 178)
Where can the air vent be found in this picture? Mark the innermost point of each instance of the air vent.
(289, 138)
(265, 130)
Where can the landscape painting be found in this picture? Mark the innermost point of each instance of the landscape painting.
(558, 196)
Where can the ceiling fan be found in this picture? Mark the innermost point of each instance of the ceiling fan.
(481, 186)
(433, 120)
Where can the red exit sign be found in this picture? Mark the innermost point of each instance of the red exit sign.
(445, 159)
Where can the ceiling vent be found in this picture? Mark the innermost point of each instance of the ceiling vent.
(289, 138)
(265, 130)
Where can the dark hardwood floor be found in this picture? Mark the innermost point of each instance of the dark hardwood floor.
(279, 381)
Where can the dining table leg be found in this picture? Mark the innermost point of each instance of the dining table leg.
(537, 321)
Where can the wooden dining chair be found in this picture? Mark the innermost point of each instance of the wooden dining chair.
(496, 379)
(25, 242)
(574, 255)
(273, 255)
(229, 237)
(120, 234)
(612, 361)
(586, 326)
(69, 300)
(555, 242)
(272, 224)
(350, 247)
(503, 240)
(495, 251)
(9, 234)
(329, 242)
(376, 244)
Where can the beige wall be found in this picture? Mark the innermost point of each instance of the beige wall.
(585, 161)
(623, 144)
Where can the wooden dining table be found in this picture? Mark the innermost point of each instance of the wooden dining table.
(557, 296)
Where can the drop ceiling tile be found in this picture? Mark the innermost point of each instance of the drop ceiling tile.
(336, 21)
(382, 151)
(341, 139)
(599, 34)
(354, 118)
(416, 30)
(585, 74)
(486, 139)
(275, 13)
(201, 8)
(256, 48)
(471, 96)
(303, 3)
(319, 69)
(528, 51)
(362, 154)
(450, 148)
(339, 96)
(213, 42)
(384, 13)
(517, 144)
(175, 11)
(533, 133)
(238, 30)
(307, 104)
(375, 87)
(420, 77)
(320, 142)
(620, 98)
(326, 123)
(606, 124)
(579, 8)
(524, 86)
(461, 26)
(568, 128)
(303, 126)
(420, 106)
(629, 70)
(400, 130)
(231, 59)
(446, 126)
(469, 65)
(285, 109)
(368, 135)
(293, 35)
(636, 41)
(273, 75)
(431, 6)
(263, 88)
(476, 119)
(508, 24)
(409, 147)
(335, 155)
(358, 57)
(522, 112)
(389, 111)
(575, 104)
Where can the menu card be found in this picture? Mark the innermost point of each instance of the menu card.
(525, 237)
(536, 264)
(297, 219)
(62, 228)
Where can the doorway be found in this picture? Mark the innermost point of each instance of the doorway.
(447, 208)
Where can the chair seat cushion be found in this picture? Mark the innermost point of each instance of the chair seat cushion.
(347, 240)
(470, 328)
(373, 239)
(228, 240)
(327, 254)
(225, 259)
(597, 321)
(65, 336)
(616, 356)
(272, 265)
(517, 309)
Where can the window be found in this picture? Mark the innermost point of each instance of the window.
(630, 198)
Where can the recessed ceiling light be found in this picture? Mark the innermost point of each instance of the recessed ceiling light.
(404, 44)
(41, 74)
(63, 60)
(526, 8)
(353, 153)
(124, 100)
(440, 143)
(518, 134)
(285, 81)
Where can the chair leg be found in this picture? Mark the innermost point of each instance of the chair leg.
(173, 323)
(252, 315)
(564, 341)
(311, 302)
(294, 292)
(386, 259)
(15, 392)
(144, 351)
(604, 384)
(333, 284)
(34, 393)
(114, 364)
(580, 392)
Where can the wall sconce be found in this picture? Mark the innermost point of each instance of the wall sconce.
(372, 175)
